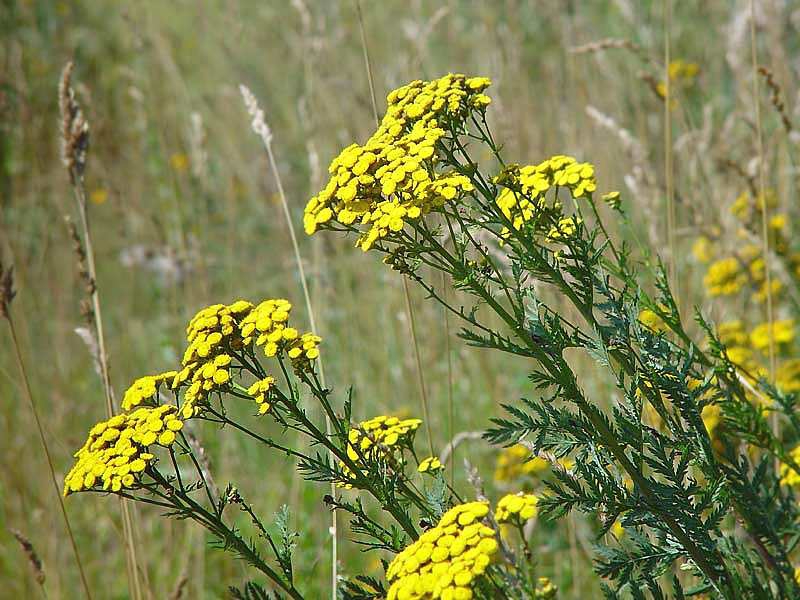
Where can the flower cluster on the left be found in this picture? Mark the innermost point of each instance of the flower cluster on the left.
(220, 337)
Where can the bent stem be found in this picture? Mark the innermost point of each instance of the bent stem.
(214, 523)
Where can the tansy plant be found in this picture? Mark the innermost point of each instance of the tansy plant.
(684, 449)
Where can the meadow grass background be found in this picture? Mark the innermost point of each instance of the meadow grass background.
(184, 213)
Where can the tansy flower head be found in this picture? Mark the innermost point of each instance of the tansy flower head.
(652, 321)
(144, 389)
(267, 326)
(516, 461)
(725, 277)
(430, 464)
(613, 200)
(732, 333)
(518, 507)
(787, 376)
(393, 178)
(789, 476)
(702, 249)
(261, 391)
(522, 198)
(447, 560)
(545, 589)
(116, 451)
(779, 333)
(565, 228)
(379, 438)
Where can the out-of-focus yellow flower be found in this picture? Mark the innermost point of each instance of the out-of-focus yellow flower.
(779, 333)
(519, 507)
(512, 463)
(702, 249)
(179, 162)
(99, 196)
(651, 320)
(789, 476)
(545, 589)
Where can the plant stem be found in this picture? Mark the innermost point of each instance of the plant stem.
(46, 449)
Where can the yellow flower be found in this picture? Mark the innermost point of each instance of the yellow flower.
(702, 249)
(430, 464)
(725, 277)
(116, 452)
(516, 461)
(732, 333)
(392, 179)
(617, 529)
(789, 476)
(566, 228)
(379, 438)
(518, 507)
(787, 377)
(612, 199)
(260, 391)
(652, 321)
(780, 333)
(448, 559)
(545, 589)
(99, 196)
(144, 389)
(179, 162)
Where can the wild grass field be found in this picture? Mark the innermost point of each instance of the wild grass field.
(185, 212)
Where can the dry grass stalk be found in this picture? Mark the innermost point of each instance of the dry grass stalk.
(7, 294)
(74, 150)
(260, 127)
(33, 557)
(765, 248)
(611, 44)
(775, 97)
(180, 587)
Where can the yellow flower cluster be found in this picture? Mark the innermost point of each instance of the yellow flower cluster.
(522, 198)
(144, 389)
(446, 560)
(653, 322)
(780, 333)
(392, 178)
(566, 227)
(787, 376)
(211, 333)
(378, 435)
(680, 73)
(431, 464)
(789, 476)
(116, 451)
(747, 208)
(260, 391)
(725, 277)
(545, 589)
(518, 507)
(381, 437)
(512, 463)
